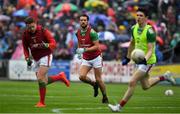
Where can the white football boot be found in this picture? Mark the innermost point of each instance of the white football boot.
(115, 108)
(169, 78)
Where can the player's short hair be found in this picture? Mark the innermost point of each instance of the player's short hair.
(84, 15)
(29, 20)
(144, 10)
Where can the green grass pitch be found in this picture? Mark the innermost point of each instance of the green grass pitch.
(21, 96)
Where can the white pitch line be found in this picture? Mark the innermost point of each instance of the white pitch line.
(57, 110)
(5, 95)
(169, 107)
(100, 108)
(87, 96)
(80, 108)
(58, 103)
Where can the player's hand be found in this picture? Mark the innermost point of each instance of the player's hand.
(45, 45)
(80, 50)
(143, 61)
(79, 56)
(125, 61)
(29, 61)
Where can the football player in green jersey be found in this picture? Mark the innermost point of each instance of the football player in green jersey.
(144, 38)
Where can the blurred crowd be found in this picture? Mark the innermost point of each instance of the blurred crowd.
(112, 19)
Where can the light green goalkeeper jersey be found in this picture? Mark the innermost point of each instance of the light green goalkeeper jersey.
(142, 37)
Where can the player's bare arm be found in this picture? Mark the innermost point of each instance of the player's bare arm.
(25, 47)
(94, 47)
(51, 42)
(150, 51)
(79, 45)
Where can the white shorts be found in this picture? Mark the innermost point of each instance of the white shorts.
(144, 68)
(95, 63)
(44, 61)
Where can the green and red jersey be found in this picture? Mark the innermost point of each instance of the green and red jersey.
(40, 36)
(85, 40)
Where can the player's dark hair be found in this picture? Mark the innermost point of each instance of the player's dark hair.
(144, 10)
(29, 20)
(84, 15)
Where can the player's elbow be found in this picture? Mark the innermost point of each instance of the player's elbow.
(97, 47)
(52, 46)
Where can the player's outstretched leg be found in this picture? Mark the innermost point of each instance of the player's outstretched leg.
(103, 91)
(100, 83)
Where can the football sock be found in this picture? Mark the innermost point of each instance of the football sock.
(50, 80)
(161, 78)
(104, 94)
(122, 103)
(42, 91)
(94, 83)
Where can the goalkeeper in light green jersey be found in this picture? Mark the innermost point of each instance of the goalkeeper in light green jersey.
(144, 38)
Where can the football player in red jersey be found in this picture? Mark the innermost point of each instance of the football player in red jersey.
(88, 46)
(41, 45)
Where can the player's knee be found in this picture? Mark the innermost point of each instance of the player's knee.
(40, 78)
(82, 78)
(132, 83)
(41, 83)
(98, 80)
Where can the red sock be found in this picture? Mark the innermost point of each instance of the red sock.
(161, 78)
(42, 93)
(122, 103)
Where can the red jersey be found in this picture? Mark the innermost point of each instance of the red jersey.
(86, 42)
(41, 35)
